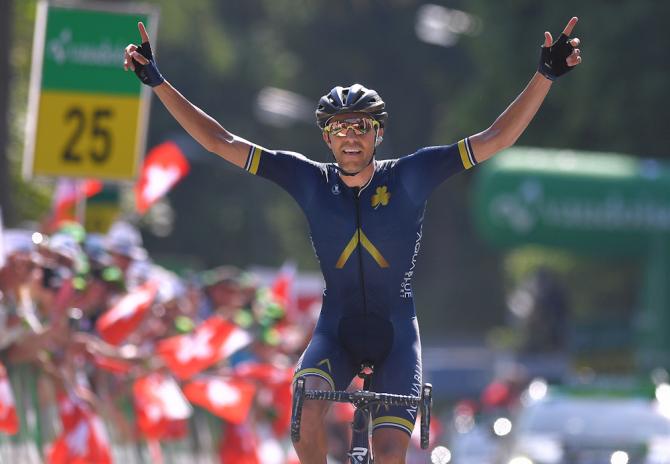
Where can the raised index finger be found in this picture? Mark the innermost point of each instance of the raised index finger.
(143, 32)
(571, 24)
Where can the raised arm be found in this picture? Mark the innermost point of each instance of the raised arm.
(556, 59)
(202, 127)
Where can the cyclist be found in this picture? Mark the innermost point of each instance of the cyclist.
(365, 218)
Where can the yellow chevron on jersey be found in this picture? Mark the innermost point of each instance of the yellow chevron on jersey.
(325, 362)
(359, 236)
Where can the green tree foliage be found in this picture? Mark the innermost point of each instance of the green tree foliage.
(30, 199)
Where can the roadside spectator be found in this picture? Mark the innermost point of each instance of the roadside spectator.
(222, 292)
(53, 292)
(124, 244)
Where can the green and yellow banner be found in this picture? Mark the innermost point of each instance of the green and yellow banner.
(87, 117)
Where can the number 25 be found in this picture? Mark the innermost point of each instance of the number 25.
(70, 154)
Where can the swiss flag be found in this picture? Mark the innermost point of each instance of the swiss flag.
(122, 318)
(83, 439)
(276, 392)
(9, 422)
(162, 411)
(281, 394)
(115, 366)
(230, 399)
(263, 372)
(239, 445)
(212, 341)
(163, 167)
(282, 287)
(66, 195)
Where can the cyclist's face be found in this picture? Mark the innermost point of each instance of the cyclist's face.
(354, 143)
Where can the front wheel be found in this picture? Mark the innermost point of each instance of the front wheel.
(296, 411)
(424, 406)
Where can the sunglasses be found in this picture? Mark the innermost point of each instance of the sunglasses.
(360, 126)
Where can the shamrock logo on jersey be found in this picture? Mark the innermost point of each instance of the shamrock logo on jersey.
(381, 197)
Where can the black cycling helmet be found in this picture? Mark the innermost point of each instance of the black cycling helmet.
(353, 99)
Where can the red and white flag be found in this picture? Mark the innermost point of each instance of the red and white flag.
(282, 287)
(263, 372)
(230, 399)
(212, 341)
(83, 439)
(239, 445)
(9, 421)
(275, 392)
(66, 195)
(162, 410)
(115, 366)
(124, 317)
(282, 395)
(163, 167)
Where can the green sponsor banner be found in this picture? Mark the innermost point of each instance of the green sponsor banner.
(83, 50)
(587, 202)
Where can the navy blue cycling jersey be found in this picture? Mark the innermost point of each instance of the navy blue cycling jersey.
(367, 240)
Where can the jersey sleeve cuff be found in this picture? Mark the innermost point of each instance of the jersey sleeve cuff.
(253, 159)
(467, 155)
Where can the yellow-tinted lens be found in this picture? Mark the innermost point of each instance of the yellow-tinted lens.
(360, 126)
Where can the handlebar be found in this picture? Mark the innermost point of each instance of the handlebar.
(362, 399)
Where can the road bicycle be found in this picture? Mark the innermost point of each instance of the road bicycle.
(363, 401)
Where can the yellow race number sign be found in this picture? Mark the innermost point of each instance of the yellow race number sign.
(83, 134)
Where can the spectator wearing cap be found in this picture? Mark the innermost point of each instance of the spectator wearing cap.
(124, 244)
(222, 292)
(62, 261)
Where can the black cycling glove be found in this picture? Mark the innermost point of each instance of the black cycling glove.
(147, 73)
(552, 59)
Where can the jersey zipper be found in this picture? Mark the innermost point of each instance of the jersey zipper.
(357, 193)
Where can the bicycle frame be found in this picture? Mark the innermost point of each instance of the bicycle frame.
(363, 400)
(360, 451)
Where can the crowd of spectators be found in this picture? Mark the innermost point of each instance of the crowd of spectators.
(93, 319)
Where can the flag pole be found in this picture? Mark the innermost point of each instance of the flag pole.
(80, 205)
(155, 451)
